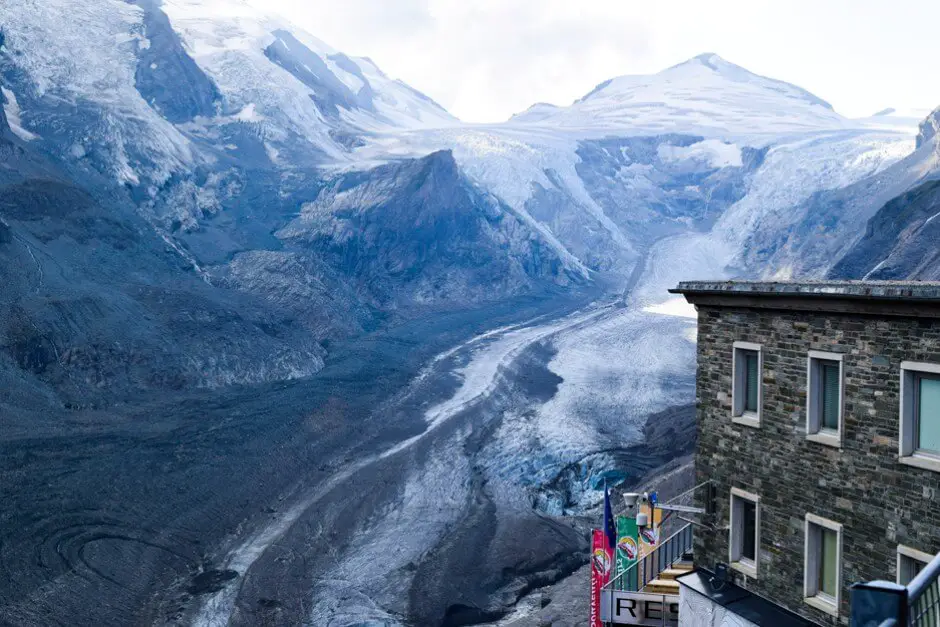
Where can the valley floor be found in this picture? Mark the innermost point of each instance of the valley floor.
(433, 473)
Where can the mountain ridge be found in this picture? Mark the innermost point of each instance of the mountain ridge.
(632, 99)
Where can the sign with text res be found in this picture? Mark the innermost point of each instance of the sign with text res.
(639, 608)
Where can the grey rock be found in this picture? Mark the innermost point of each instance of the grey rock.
(418, 232)
(928, 129)
(166, 76)
(900, 241)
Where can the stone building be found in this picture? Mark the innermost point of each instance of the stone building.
(819, 429)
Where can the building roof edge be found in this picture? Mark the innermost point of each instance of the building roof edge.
(928, 291)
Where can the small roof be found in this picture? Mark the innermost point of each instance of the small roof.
(880, 298)
(752, 608)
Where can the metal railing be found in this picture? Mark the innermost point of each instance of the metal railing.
(923, 596)
(644, 570)
(883, 604)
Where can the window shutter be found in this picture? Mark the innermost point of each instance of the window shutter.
(752, 381)
(829, 564)
(830, 393)
(749, 532)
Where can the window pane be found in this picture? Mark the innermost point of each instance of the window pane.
(928, 418)
(828, 565)
(829, 372)
(909, 569)
(749, 535)
(753, 379)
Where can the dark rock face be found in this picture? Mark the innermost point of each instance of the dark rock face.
(166, 76)
(38, 199)
(96, 306)
(929, 128)
(4, 124)
(900, 241)
(417, 232)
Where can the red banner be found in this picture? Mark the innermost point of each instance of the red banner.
(602, 560)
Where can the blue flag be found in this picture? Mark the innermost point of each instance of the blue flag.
(609, 529)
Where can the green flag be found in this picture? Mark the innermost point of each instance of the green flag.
(627, 551)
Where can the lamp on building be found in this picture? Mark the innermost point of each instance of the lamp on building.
(638, 501)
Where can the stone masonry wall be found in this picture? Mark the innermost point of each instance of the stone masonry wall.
(880, 502)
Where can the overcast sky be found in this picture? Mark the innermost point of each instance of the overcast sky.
(486, 59)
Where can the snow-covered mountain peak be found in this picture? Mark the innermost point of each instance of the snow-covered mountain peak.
(156, 87)
(706, 95)
(708, 60)
(236, 43)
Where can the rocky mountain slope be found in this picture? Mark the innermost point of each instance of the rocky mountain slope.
(739, 163)
(829, 225)
(162, 163)
(900, 241)
(96, 305)
(252, 161)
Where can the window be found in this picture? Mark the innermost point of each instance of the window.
(824, 398)
(822, 578)
(746, 393)
(927, 413)
(910, 563)
(920, 415)
(744, 538)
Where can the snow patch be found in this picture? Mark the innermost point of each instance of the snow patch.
(714, 152)
(248, 114)
(12, 111)
(931, 219)
(673, 307)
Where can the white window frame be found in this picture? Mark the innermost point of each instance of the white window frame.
(814, 430)
(736, 533)
(739, 384)
(906, 552)
(811, 550)
(906, 453)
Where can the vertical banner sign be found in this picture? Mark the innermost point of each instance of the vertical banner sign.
(601, 563)
(627, 553)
